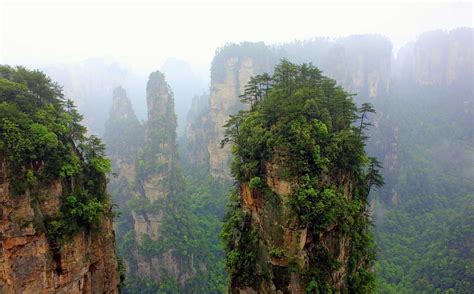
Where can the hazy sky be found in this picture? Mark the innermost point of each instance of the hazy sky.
(144, 34)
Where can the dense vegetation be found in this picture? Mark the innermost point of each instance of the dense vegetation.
(206, 209)
(43, 142)
(192, 206)
(123, 131)
(424, 134)
(423, 213)
(305, 122)
(425, 237)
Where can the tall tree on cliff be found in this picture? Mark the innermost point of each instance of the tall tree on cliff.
(299, 220)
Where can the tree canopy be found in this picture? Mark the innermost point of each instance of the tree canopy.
(42, 140)
(311, 126)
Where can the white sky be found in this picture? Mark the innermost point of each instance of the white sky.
(144, 34)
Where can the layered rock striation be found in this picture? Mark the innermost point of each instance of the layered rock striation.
(29, 263)
(150, 188)
(56, 233)
(361, 64)
(298, 222)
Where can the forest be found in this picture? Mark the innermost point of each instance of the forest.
(409, 125)
(215, 162)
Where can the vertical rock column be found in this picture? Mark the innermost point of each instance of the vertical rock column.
(224, 101)
(159, 193)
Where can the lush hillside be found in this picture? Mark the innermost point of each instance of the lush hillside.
(422, 134)
(425, 236)
(167, 232)
(425, 136)
(299, 220)
(56, 229)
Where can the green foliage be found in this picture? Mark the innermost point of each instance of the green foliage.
(148, 247)
(75, 213)
(191, 230)
(41, 136)
(306, 122)
(423, 209)
(207, 208)
(42, 140)
(241, 241)
(255, 182)
(435, 239)
(312, 287)
(122, 271)
(258, 51)
(124, 134)
(364, 110)
(276, 252)
(190, 209)
(137, 285)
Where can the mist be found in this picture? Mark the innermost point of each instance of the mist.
(141, 37)
(217, 183)
(144, 34)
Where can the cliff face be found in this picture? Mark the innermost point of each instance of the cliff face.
(287, 249)
(56, 231)
(29, 264)
(298, 221)
(185, 84)
(196, 133)
(435, 72)
(159, 154)
(437, 58)
(151, 191)
(428, 160)
(159, 183)
(361, 64)
(224, 101)
(124, 136)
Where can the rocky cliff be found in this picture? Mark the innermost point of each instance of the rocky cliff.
(361, 64)
(150, 188)
(56, 233)
(124, 136)
(231, 70)
(158, 161)
(437, 58)
(298, 222)
(196, 134)
(159, 185)
(31, 264)
(224, 101)
(425, 141)
(434, 72)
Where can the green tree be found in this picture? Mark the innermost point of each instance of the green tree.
(364, 110)
(305, 122)
(43, 141)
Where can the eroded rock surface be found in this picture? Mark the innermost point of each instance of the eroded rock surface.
(30, 264)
